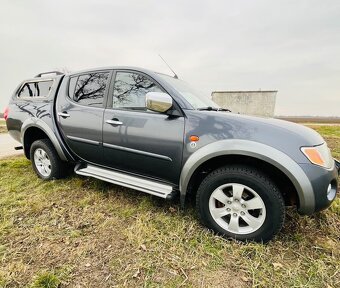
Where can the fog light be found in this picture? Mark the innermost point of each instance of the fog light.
(329, 189)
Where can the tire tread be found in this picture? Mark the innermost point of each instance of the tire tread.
(247, 171)
(59, 167)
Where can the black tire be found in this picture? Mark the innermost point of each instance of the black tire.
(272, 216)
(57, 167)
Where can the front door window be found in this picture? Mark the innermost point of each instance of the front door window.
(130, 90)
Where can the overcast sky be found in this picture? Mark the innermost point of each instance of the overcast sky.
(289, 46)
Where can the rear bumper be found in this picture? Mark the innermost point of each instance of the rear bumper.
(324, 183)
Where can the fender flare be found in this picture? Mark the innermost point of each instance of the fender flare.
(256, 150)
(38, 123)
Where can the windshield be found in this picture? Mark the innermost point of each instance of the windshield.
(196, 99)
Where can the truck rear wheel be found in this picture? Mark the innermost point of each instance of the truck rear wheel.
(45, 160)
(242, 203)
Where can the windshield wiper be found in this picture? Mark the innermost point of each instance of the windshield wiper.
(209, 108)
(224, 110)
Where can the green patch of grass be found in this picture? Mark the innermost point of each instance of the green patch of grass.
(46, 280)
(84, 232)
(332, 136)
(327, 130)
(336, 206)
(3, 282)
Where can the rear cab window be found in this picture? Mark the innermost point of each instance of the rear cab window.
(36, 89)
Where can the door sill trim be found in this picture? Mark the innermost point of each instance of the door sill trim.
(137, 183)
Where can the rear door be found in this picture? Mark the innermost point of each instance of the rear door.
(135, 139)
(80, 110)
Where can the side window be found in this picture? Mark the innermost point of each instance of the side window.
(90, 89)
(72, 86)
(130, 89)
(27, 90)
(42, 88)
(35, 89)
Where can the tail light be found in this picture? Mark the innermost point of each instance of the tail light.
(6, 111)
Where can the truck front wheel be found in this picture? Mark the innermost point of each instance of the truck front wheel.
(45, 160)
(242, 203)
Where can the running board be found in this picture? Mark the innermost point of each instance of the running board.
(137, 183)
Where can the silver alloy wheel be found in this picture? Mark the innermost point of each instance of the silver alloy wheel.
(42, 162)
(237, 208)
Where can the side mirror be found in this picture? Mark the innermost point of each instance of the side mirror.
(158, 101)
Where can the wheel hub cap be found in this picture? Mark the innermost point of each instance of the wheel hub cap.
(42, 162)
(237, 208)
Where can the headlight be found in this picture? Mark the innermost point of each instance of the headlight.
(319, 155)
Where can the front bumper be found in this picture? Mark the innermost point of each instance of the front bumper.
(324, 183)
(337, 164)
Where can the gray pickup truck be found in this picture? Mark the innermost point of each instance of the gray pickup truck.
(152, 132)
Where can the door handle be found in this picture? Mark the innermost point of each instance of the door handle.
(63, 114)
(114, 122)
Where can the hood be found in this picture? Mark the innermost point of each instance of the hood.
(282, 135)
(310, 136)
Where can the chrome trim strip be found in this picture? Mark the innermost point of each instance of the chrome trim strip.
(107, 145)
(137, 183)
(83, 140)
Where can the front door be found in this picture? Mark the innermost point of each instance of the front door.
(80, 110)
(137, 140)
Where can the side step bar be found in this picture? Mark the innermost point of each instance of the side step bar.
(137, 183)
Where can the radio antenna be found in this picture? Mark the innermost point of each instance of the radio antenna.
(175, 75)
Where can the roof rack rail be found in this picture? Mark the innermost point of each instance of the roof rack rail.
(50, 72)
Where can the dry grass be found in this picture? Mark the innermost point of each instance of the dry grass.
(80, 232)
(3, 128)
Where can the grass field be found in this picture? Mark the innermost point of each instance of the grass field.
(3, 128)
(82, 232)
(310, 119)
(332, 136)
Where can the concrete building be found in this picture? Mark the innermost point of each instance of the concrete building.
(258, 103)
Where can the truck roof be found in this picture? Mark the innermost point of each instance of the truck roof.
(59, 74)
(115, 68)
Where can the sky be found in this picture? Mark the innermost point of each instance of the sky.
(289, 46)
